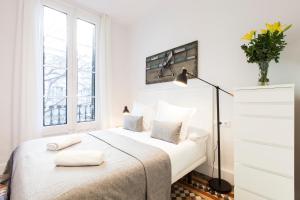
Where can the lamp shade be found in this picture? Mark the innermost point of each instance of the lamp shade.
(125, 110)
(181, 79)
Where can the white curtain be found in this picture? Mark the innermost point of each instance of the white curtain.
(105, 71)
(27, 87)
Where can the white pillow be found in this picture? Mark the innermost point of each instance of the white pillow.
(172, 113)
(140, 109)
(197, 135)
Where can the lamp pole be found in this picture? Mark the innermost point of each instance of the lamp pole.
(217, 184)
(218, 130)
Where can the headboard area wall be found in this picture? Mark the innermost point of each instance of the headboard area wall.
(200, 97)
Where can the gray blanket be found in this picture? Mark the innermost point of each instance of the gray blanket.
(131, 170)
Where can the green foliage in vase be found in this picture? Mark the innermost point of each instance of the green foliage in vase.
(266, 45)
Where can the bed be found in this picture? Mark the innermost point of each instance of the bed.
(136, 166)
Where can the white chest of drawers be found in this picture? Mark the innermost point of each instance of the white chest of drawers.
(264, 143)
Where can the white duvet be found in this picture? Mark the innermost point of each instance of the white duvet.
(184, 156)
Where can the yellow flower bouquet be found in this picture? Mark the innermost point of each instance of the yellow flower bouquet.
(263, 47)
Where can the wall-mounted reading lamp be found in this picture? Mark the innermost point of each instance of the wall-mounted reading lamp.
(125, 110)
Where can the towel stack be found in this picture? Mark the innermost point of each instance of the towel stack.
(74, 158)
(78, 158)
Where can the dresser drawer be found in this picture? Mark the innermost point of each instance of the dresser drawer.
(280, 94)
(241, 194)
(263, 183)
(265, 130)
(268, 110)
(269, 158)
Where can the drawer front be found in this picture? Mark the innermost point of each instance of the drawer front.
(269, 158)
(268, 110)
(265, 130)
(265, 95)
(263, 183)
(240, 194)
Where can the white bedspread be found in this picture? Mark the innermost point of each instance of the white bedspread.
(182, 155)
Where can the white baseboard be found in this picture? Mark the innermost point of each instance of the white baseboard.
(207, 170)
(2, 167)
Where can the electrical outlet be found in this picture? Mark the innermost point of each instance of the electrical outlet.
(226, 124)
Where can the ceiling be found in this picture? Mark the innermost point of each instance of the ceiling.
(123, 11)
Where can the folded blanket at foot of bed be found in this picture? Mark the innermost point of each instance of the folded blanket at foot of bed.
(131, 170)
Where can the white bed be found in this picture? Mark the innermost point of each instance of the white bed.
(127, 155)
(185, 156)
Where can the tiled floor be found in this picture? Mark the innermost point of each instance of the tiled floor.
(2, 191)
(198, 190)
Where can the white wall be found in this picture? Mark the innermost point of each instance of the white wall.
(120, 89)
(8, 10)
(218, 26)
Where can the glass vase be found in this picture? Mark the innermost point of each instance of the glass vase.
(263, 74)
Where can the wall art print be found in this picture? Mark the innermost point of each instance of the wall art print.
(165, 66)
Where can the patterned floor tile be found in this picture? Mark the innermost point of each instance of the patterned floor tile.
(197, 190)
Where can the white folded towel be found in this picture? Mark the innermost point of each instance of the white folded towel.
(69, 141)
(76, 158)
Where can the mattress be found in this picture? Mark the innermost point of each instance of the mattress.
(185, 156)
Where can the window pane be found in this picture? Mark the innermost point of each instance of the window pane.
(54, 82)
(55, 67)
(85, 83)
(86, 71)
(55, 111)
(86, 109)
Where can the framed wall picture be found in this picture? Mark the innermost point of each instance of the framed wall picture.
(165, 66)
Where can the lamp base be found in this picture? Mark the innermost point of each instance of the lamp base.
(220, 186)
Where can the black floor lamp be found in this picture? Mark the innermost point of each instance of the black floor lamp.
(216, 184)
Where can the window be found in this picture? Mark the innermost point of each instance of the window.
(86, 71)
(55, 67)
(69, 67)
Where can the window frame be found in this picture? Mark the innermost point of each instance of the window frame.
(74, 13)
